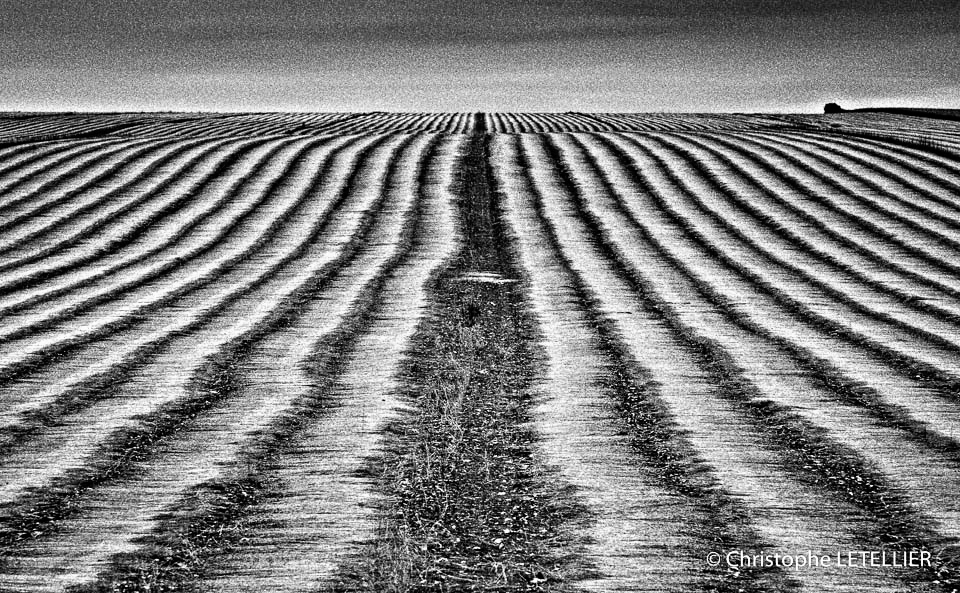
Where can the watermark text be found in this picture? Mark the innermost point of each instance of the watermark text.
(849, 559)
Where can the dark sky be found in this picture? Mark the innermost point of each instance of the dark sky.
(435, 55)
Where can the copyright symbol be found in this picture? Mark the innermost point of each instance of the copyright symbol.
(713, 559)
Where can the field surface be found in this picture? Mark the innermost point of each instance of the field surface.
(479, 352)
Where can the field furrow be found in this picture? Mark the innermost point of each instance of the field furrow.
(59, 184)
(850, 195)
(324, 513)
(786, 511)
(19, 161)
(714, 194)
(468, 351)
(199, 322)
(938, 184)
(782, 380)
(188, 240)
(151, 223)
(782, 204)
(248, 219)
(907, 342)
(744, 303)
(902, 198)
(928, 357)
(35, 160)
(201, 451)
(806, 193)
(650, 529)
(104, 199)
(933, 168)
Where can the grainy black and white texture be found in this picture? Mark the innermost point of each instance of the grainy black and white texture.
(482, 55)
(477, 351)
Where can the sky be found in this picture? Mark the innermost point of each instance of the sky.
(484, 55)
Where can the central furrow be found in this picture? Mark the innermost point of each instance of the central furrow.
(469, 505)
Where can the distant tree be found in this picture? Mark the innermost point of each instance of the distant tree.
(832, 108)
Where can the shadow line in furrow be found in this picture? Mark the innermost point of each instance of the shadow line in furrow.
(68, 179)
(34, 360)
(135, 170)
(719, 522)
(729, 146)
(933, 176)
(788, 512)
(123, 454)
(282, 157)
(924, 206)
(903, 153)
(103, 386)
(821, 372)
(938, 380)
(928, 480)
(923, 336)
(765, 153)
(788, 236)
(113, 244)
(781, 150)
(807, 450)
(134, 235)
(470, 507)
(327, 498)
(881, 138)
(17, 165)
(218, 517)
(883, 202)
(47, 161)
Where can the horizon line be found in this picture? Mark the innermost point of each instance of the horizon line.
(248, 111)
